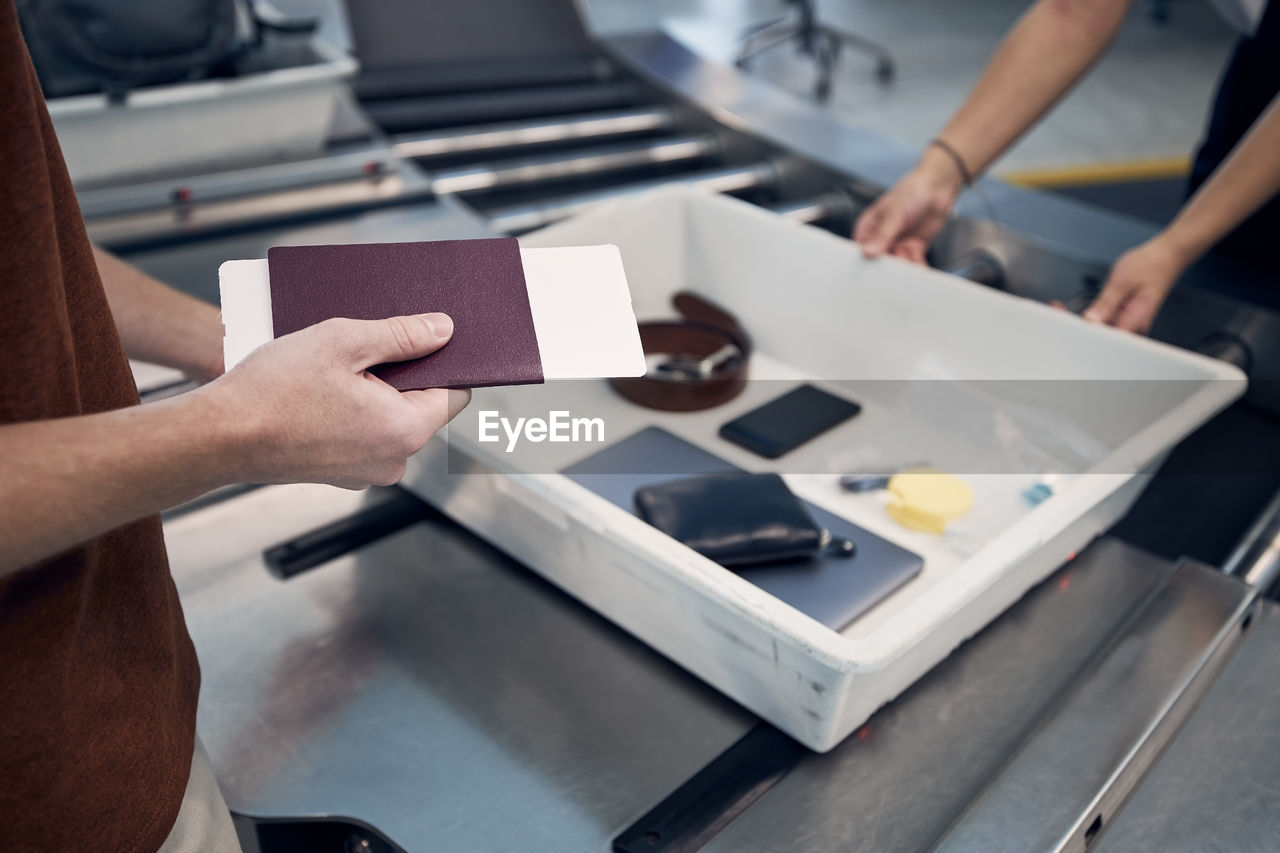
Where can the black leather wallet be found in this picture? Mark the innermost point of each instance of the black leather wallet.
(736, 519)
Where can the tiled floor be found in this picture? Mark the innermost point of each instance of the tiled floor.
(1147, 100)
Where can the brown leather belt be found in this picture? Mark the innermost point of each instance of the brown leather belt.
(706, 361)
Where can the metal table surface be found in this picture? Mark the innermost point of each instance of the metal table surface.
(426, 685)
(1216, 788)
(1016, 733)
(442, 693)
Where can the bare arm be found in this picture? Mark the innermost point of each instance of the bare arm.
(159, 324)
(70, 479)
(1041, 58)
(1142, 278)
(300, 409)
(1046, 53)
(1245, 181)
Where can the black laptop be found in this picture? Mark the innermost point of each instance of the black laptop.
(833, 590)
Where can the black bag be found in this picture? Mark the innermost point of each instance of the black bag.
(112, 46)
(737, 519)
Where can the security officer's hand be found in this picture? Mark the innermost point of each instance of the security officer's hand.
(906, 218)
(1137, 286)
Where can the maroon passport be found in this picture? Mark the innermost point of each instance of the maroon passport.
(479, 283)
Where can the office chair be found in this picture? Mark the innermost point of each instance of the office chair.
(815, 40)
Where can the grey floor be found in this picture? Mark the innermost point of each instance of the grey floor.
(1147, 100)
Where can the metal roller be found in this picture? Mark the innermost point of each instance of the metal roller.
(176, 223)
(732, 180)
(365, 165)
(401, 114)
(479, 139)
(1228, 347)
(980, 266)
(575, 164)
(1256, 559)
(828, 206)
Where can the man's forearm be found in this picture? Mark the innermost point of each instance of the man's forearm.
(300, 409)
(1245, 181)
(1046, 52)
(159, 324)
(71, 479)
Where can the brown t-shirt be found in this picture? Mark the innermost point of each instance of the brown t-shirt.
(99, 677)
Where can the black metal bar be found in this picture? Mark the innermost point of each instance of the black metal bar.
(714, 797)
(318, 546)
(422, 113)
(442, 78)
(208, 499)
(310, 835)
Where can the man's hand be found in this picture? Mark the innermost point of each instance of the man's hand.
(300, 409)
(312, 413)
(906, 218)
(1137, 286)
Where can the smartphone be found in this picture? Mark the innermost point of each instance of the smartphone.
(782, 425)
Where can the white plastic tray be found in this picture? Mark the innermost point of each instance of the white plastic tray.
(272, 115)
(906, 342)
